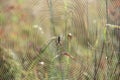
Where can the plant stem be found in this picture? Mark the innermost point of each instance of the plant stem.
(95, 66)
(51, 18)
(38, 57)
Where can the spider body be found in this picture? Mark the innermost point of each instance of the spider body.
(59, 40)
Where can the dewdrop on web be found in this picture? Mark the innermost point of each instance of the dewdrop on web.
(35, 26)
(56, 56)
(38, 28)
(106, 57)
(109, 25)
(41, 30)
(41, 63)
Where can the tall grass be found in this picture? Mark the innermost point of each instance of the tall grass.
(90, 53)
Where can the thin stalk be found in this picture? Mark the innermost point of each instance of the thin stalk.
(119, 62)
(65, 15)
(51, 18)
(95, 66)
(106, 1)
(32, 65)
(100, 58)
(59, 51)
(95, 62)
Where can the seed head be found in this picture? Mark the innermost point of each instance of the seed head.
(69, 36)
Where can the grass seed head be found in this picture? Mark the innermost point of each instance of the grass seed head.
(69, 35)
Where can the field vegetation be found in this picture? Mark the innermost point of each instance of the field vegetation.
(57, 40)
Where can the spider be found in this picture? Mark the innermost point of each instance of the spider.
(59, 40)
